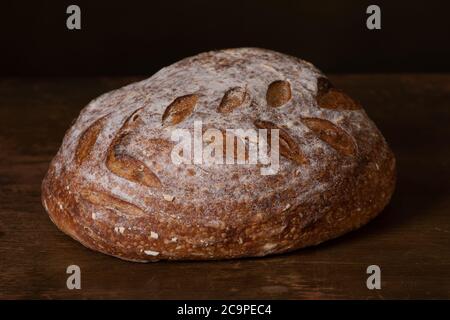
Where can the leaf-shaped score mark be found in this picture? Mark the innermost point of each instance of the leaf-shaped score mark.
(329, 97)
(108, 201)
(278, 93)
(337, 138)
(234, 98)
(179, 109)
(125, 166)
(134, 120)
(87, 141)
(337, 100)
(288, 146)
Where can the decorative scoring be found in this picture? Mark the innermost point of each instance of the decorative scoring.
(179, 109)
(108, 201)
(234, 98)
(125, 166)
(87, 141)
(278, 93)
(331, 134)
(288, 147)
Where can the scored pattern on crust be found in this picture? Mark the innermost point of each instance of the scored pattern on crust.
(337, 138)
(133, 121)
(106, 200)
(234, 98)
(87, 141)
(123, 177)
(278, 93)
(125, 166)
(329, 97)
(288, 147)
(179, 109)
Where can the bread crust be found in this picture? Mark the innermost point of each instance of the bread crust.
(113, 187)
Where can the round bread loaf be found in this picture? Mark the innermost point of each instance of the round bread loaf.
(114, 185)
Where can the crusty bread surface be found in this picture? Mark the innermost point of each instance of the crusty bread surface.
(114, 187)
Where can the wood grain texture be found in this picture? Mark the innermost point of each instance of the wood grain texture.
(410, 240)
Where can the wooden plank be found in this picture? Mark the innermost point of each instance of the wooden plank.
(410, 241)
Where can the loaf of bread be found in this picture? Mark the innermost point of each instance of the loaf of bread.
(116, 187)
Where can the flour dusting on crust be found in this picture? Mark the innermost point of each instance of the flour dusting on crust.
(206, 197)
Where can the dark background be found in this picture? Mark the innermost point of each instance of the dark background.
(123, 41)
(139, 37)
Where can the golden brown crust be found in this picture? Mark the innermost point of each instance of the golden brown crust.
(337, 100)
(128, 167)
(331, 134)
(288, 147)
(113, 187)
(278, 93)
(87, 141)
(179, 109)
(234, 98)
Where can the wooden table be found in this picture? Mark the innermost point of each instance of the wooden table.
(410, 240)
